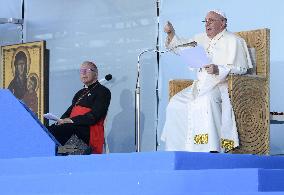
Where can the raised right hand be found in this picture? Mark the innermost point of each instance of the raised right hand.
(169, 29)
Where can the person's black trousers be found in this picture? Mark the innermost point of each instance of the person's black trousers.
(63, 132)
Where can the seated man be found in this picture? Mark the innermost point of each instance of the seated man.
(200, 118)
(85, 117)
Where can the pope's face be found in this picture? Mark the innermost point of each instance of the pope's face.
(87, 74)
(214, 24)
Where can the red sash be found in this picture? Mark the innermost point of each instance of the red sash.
(96, 131)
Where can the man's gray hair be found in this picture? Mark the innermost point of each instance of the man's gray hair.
(94, 66)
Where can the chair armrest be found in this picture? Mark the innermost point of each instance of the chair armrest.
(250, 100)
(177, 85)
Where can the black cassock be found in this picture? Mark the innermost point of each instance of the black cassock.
(96, 97)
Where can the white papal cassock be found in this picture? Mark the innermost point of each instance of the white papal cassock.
(200, 118)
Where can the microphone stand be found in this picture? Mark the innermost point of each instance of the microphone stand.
(137, 90)
(137, 99)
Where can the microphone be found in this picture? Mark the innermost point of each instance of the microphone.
(108, 77)
(189, 44)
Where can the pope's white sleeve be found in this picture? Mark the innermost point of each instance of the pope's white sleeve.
(175, 42)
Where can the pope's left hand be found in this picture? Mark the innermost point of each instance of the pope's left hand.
(212, 69)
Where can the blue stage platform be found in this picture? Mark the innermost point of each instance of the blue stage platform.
(144, 173)
(21, 135)
(28, 165)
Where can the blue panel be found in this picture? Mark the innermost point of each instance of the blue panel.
(186, 160)
(144, 173)
(10, 33)
(21, 135)
(139, 182)
(11, 9)
(87, 163)
(138, 162)
(271, 180)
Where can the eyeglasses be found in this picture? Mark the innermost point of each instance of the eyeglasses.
(211, 20)
(86, 70)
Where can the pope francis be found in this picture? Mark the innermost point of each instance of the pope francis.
(200, 118)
